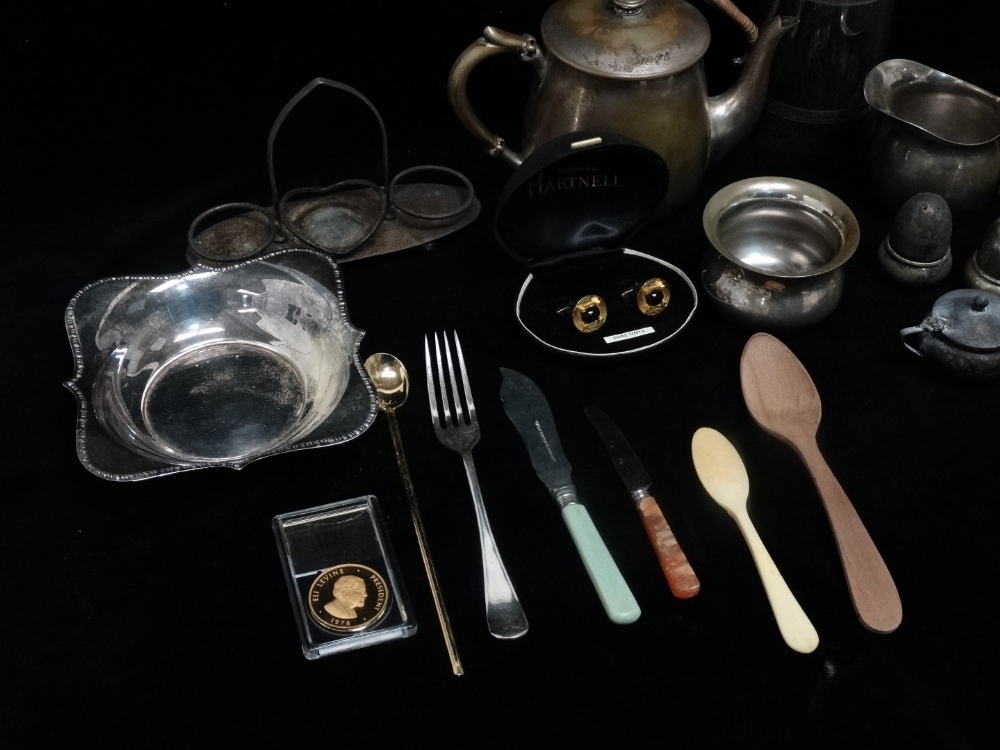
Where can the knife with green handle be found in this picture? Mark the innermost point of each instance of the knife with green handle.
(529, 410)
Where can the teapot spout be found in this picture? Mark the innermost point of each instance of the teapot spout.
(733, 114)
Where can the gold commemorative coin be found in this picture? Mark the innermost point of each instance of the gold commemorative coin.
(348, 598)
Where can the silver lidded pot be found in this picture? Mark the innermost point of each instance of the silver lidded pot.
(778, 250)
(631, 67)
(962, 333)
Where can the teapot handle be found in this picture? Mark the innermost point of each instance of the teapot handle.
(748, 26)
(493, 42)
(912, 331)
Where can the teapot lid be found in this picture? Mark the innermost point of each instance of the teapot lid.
(969, 317)
(632, 39)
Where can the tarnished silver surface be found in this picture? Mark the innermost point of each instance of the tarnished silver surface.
(641, 40)
(336, 220)
(934, 133)
(636, 71)
(779, 245)
(982, 270)
(215, 367)
(917, 250)
(398, 231)
(732, 114)
(339, 217)
(962, 333)
(231, 232)
(912, 272)
(977, 278)
(349, 219)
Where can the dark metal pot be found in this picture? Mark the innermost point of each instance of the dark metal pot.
(962, 333)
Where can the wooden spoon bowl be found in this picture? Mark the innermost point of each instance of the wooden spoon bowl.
(783, 400)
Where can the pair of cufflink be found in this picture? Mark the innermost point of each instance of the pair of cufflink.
(590, 312)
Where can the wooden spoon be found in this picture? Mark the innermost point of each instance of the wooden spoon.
(783, 400)
(723, 474)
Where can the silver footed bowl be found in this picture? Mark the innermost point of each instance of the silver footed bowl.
(215, 367)
(778, 247)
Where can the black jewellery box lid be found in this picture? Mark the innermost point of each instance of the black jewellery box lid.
(565, 215)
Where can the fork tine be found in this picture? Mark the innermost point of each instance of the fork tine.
(431, 393)
(454, 383)
(465, 379)
(441, 380)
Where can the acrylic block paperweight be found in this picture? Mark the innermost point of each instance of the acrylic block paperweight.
(342, 578)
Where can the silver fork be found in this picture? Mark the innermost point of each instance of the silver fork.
(504, 615)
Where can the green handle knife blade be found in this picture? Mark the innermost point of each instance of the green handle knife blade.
(528, 409)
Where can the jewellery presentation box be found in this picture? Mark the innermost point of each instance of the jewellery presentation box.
(565, 214)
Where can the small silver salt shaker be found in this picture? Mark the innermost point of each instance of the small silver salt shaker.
(917, 251)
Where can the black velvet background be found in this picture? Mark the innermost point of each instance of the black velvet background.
(155, 614)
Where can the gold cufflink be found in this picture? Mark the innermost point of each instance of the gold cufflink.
(653, 297)
(589, 313)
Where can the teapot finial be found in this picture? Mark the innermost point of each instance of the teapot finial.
(629, 7)
(980, 302)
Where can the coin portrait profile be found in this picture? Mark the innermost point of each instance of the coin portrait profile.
(348, 598)
(349, 593)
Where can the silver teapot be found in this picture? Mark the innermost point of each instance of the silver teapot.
(632, 67)
(962, 333)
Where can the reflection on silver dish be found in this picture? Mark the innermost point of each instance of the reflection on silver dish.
(215, 367)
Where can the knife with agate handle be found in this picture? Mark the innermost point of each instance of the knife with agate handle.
(528, 409)
(680, 575)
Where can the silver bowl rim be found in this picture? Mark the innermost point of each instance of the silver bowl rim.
(811, 197)
(82, 381)
(889, 76)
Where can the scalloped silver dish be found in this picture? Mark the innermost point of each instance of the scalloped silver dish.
(215, 367)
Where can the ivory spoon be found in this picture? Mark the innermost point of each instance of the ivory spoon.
(724, 476)
(783, 400)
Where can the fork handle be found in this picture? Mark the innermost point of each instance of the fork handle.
(504, 615)
(612, 589)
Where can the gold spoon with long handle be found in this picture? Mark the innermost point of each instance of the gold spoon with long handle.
(724, 476)
(783, 400)
(392, 383)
